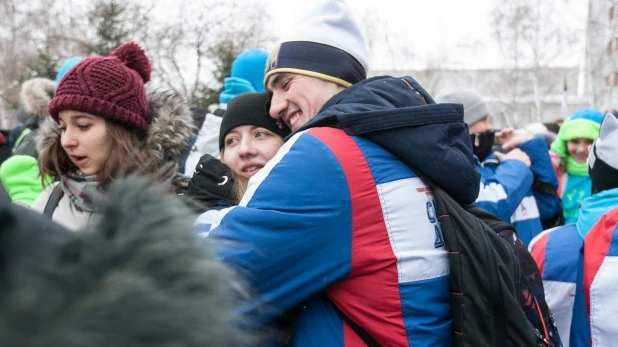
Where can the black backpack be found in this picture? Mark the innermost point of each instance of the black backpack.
(497, 291)
(496, 288)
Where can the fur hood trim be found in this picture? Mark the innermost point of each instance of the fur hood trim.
(171, 125)
(36, 94)
(169, 131)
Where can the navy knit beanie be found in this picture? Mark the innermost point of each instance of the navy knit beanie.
(327, 44)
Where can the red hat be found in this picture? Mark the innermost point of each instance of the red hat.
(110, 87)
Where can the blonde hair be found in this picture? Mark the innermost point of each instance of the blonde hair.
(240, 182)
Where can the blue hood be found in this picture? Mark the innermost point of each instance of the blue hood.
(400, 116)
(593, 208)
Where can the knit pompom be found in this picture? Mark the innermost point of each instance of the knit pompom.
(134, 58)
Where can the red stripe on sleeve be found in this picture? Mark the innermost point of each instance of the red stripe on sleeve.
(370, 297)
(596, 246)
(538, 252)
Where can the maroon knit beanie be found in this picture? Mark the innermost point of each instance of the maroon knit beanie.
(110, 87)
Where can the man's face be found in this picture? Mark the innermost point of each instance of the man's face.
(480, 127)
(296, 99)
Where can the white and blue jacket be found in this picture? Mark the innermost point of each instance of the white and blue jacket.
(347, 216)
(557, 254)
(506, 189)
(594, 313)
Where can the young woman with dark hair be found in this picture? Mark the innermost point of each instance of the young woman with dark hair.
(105, 125)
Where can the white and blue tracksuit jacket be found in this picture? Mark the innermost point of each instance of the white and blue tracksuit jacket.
(557, 254)
(347, 216)
(506, 189)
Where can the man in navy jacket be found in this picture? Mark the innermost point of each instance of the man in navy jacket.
(338, 226)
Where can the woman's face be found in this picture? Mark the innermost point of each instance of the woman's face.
(578, 149)
(248, 148)
(85, 139)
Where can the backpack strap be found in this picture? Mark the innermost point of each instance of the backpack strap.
(53, 201)
(544, 187)
(362, 333)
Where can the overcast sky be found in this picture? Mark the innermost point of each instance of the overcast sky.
(440, 32)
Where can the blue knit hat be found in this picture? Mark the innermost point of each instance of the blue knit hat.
(249, 65)
(66, 66)
(246, 75)
(587, 114)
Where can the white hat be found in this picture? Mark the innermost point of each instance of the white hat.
(327, 43)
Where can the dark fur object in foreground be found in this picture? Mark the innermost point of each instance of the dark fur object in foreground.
(138, 278)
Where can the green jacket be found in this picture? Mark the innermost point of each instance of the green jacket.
(21, 178)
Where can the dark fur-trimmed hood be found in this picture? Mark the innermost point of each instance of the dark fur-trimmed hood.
(137, 277)
(34, 98)
(170, 129)
(171, 125)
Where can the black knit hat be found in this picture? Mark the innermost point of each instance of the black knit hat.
(603, 156)
(249, 109)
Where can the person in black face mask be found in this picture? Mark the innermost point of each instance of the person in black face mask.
(518, 182)
(484, 144)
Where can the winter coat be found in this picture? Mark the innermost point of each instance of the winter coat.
(556, 252)
(168, 133)
(136, 277)
(19, 173)
(348, 216)
(65, 212)
(506, 189)
(594, 314)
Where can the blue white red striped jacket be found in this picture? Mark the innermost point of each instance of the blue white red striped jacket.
(341, 215)
(557, 253)
(596, 299)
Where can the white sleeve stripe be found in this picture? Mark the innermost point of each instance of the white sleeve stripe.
(603, 303)
(413, 230)
(526, 210)
(539, 236)
(560, 297)
(492, 192)
(211, 218)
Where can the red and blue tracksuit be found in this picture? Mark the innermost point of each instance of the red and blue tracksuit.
(596, 300)
(344, 216)
(557, 254)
